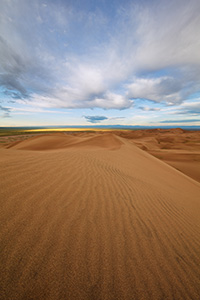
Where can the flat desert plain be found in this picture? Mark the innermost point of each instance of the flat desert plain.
(94, 215)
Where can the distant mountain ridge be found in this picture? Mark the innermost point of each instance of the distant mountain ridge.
(131, 127)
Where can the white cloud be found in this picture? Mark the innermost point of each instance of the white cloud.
(169, 34)
(155, 89)
(100, 60)
(69, 99)
(111, 101)
(147, 108)
(191, 108)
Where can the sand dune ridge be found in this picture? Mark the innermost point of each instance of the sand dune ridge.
(90, 223)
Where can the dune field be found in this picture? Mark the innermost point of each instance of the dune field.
(176, 147)
(95, 216)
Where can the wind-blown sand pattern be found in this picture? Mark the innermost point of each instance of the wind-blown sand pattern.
(176, 147)
(95, 217)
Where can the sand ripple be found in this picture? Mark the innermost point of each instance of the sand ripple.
(86, 222)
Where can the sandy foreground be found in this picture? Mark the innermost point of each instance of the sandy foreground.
(92, 216)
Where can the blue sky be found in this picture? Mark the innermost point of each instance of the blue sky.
(103, 62)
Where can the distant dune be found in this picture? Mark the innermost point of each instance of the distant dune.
(54, 141)
(93, 216)
(177, 147)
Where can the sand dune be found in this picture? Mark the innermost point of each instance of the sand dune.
(176, 147)
(101, 219)
(45, 142)
(52, 142)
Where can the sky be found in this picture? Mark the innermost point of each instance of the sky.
(86, 62)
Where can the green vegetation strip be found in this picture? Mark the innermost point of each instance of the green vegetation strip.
(7, 132)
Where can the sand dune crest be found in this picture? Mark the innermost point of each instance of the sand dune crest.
(55, 142)
(88, 223)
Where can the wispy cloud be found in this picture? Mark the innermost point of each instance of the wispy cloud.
(181, 121)
(116, 118)
(189, 108)
(69, 56)
(6, 115)
(4, 108)
(147, 108)
(6, 111)
(95, 119)
(98, 119)
(156, 89)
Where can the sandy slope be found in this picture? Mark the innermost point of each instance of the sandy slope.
(100, 219)
(61, 141)
(176, 147)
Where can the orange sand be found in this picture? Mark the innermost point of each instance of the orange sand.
(177, 147)
(95, 217)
